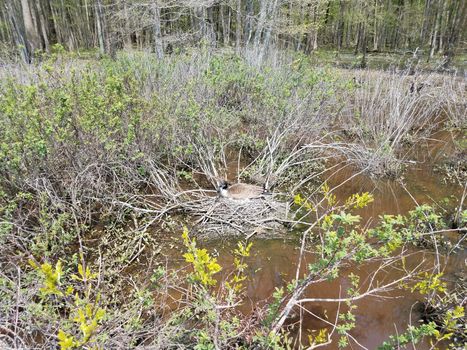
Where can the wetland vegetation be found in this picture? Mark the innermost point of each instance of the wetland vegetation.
(112, 235)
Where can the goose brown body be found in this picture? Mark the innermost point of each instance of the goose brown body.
(240, 191)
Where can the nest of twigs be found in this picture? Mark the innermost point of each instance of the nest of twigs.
(222, 216)
(207, 213)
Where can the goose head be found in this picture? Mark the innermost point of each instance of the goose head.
(223, 189)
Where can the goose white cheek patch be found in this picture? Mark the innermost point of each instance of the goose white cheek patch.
(223, 192)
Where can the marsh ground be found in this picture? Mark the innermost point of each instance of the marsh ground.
(103, 162)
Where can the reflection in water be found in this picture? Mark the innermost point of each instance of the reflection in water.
(274, 265)
(421, 185)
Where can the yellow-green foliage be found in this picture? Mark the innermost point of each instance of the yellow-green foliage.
(303, 202)
(396, 230)
(430, 283)
(84, 311)
(51, 277)
(450, 322)
(84, 275)
(358, 200)
(214, 309)
(320, 338)
(328, 195)
(355, 201)
(204, 266)
(243, 251)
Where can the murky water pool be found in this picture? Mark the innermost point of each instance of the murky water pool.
(273, 262)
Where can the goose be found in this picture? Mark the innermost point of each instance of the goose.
(240, 191)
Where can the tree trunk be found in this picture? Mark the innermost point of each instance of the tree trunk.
(90, 38)
(225, 22)
(269, 14)
(363, 47)
(201, 20)
(272, 12)
(56, 26)
(229, 24)
(340, 26)
(100, 29)
(19, 36)
(261, 22)
(375, 27)
(426, 14)
(4, 33)
(315, 27)
(248, 22)
(126, 25)
(158, 44)
(442, 30)
(32, 37)
(434, 35)
(43, 26)
(297, 41)
(67, 32)
(211, 33)
(347, 34)
(457, 23)
(357, 38)
(238, 27)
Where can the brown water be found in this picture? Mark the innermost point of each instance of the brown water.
(274, 264)
(274, 261)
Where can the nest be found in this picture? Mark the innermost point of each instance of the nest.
(210, 214)
(223, 216)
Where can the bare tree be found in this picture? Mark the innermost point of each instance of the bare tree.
(238, 31)
(100, 26)
(158, 45)
(17, 29)
(32, 36)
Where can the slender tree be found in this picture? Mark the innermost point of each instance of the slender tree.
(32, 36)
(158, 45)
